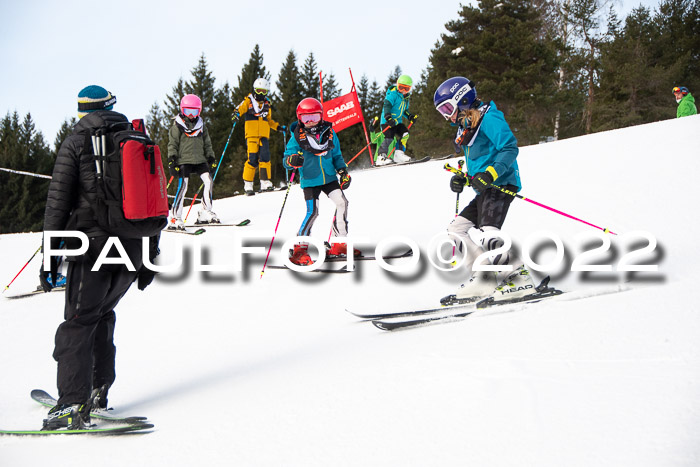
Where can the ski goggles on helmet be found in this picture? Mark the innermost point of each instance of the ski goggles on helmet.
(677, 89)
(403, 87)
(447, 109)
(260, 91)
(191, 113)
(310, 118)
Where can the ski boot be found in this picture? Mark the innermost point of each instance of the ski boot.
(400, 157)
(98, 398)
(176, 224)
(266, 185)
(67, 416)
(300, 255)
(248, 188)
(480, 285)
(340, 250)
(383, 160)
(519, 287)
(207, 217)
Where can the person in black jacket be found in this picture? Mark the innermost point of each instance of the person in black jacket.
(84, 347)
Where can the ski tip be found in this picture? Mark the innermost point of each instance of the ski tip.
(380, 325)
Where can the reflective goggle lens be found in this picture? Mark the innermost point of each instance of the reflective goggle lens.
(190, 112)
(261, 91)
(404, 88)
(676, 89)
(310, 118)
(446, 109)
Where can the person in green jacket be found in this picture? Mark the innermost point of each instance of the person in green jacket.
(686, 102)
(190, 151)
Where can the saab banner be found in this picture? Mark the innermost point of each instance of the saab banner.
(343, 111)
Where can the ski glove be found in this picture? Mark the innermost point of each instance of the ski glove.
(282, 128)
(391, 121)
(483, 180)
(174, 169)
(457, 183)
(54, 262)
(412, 117)
(235, 115)
(212, 163)
(145, 276)
(344, 179)
(295, 160)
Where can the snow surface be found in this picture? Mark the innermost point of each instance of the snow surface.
(238, 370)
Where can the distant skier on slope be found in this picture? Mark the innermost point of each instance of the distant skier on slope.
(685, 101)
(190, 151)
(256, 112)
(315, 151)
(394, 110)
(491, 151)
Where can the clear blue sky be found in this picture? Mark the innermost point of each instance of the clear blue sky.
(139, 49)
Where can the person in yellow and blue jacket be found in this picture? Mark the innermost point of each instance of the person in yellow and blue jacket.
(491, 151)
(394, 110)
(256, 112)
(314, 150)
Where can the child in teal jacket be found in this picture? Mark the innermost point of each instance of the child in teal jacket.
(314, 150)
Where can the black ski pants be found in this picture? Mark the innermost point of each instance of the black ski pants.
(85, 349)
(397, 131)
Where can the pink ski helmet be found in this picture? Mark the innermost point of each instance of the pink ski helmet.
(190, 101)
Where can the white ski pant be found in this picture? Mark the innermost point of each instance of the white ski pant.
(461, 226)
(178, 203)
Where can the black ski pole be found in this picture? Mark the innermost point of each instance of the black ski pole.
(289, 185)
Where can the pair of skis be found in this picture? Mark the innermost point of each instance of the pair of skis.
(201, 230)
(453, 312)
(113, 425)
(38, 291)
(395, 164)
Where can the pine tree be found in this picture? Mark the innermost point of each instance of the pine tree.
(24, 197)
(586, 18)
(63, 133)
(202, 85)
(392, 78)
(363, 92)
(631, 75)
(220, 127)
(678, 23)
(331, 90)
(290, 90)
(505, 49)
(251, 71)
(309, 77)
(172, 101)
(375, 99)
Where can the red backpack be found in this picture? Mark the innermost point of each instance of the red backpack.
(132, 200)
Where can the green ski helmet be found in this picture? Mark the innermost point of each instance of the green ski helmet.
(404, 83)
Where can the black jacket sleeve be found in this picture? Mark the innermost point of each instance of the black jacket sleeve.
(64, 187)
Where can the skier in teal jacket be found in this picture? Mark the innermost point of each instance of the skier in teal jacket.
(491, 151)
(314, 150)
(394, 110)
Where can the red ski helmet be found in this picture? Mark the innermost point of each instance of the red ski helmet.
(309, 106)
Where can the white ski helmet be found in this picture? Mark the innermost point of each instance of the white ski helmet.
(261, 83)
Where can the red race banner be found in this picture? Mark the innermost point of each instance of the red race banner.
(343, 111)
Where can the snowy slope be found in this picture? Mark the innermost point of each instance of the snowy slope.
(238, 370)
